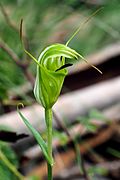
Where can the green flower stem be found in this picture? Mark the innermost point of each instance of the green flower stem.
(11, 166)
(48, 118)
(49, 171)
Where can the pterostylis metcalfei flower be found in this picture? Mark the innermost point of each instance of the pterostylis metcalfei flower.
(50, 75)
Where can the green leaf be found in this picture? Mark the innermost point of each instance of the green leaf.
(37, 136)
(5, 173)
(114, 152)
(61, 136)
(91, 127)
(86, 121)
(33, 178)
(94, 113)
(97, 170)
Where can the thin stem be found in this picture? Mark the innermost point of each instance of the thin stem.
(49, 167)
(84, 169)
(48, 118)
(11, 166)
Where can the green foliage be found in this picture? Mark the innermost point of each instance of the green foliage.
(9, 161)
(96, 170)
(87, 124)
(96, 114)
(8, 72)
(86, 120)
(5, 172)
(63, 138)
(114, 152)
(34, 178)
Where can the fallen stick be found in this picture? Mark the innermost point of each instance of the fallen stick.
(69, 106)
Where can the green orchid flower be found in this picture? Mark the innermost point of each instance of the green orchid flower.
(51, 72)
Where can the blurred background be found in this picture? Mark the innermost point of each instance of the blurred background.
(87, 114)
